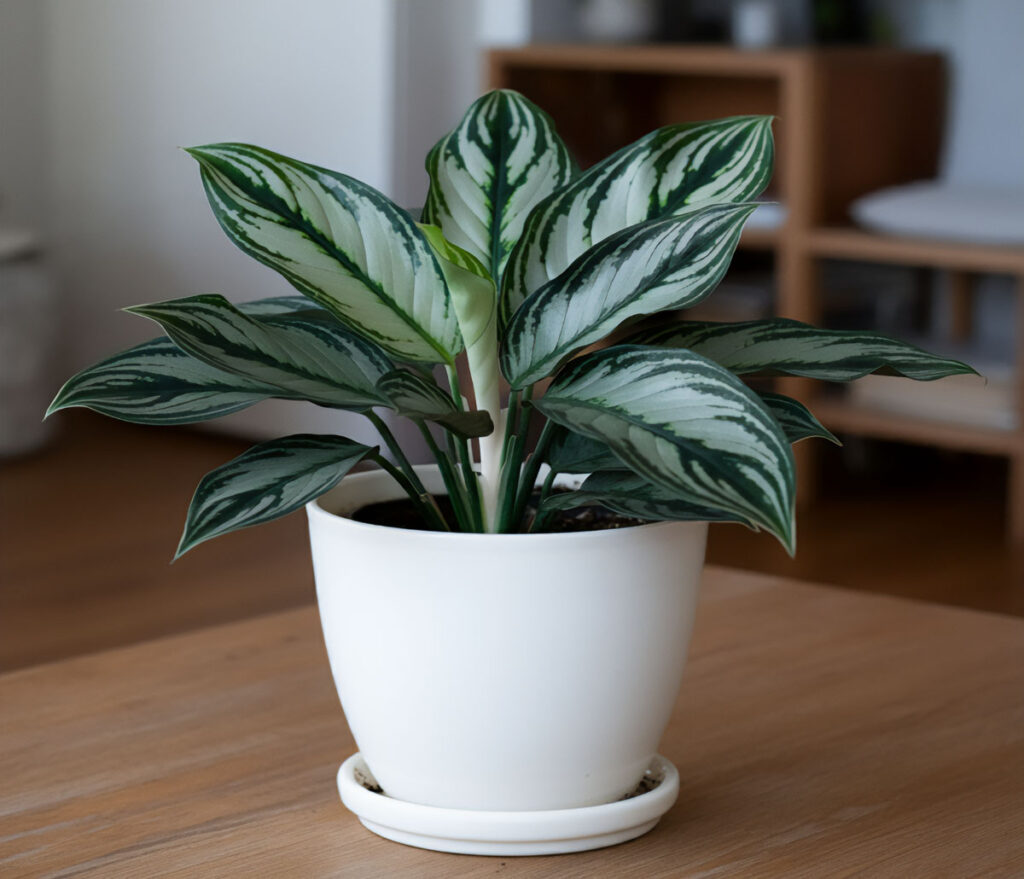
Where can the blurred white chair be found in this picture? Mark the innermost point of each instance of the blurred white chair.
(979, 198)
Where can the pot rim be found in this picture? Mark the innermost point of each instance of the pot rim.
(315, 510)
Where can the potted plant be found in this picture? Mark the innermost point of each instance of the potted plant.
(506, 672)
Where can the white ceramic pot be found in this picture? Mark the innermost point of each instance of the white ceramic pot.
(502, 672)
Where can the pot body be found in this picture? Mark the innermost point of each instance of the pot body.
(508, 671)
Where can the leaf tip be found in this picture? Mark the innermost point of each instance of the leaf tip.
(54, 406)
(186, 543)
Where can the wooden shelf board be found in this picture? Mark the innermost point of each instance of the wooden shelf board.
(844, 416)
(858, 244)
(661, 59)
(683, 58)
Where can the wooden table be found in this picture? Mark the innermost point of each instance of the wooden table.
(819, 733)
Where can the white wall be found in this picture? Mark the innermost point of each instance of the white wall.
(437, 75)
(130, 81)
(984, 42)
(22, 111)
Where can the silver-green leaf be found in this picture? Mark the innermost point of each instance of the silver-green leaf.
(728, 160)
(664, 264)
(795, 419)
(571, 452)
(275, 305)
(307, 355)
(338, 241)
(489, 173)
(267, 482)
(158, 383)
(686, 424)
(628, 494)
(414, 396)
(787, 347)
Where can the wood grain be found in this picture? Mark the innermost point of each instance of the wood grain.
(842, 242)
(818, 733)
(88, 528)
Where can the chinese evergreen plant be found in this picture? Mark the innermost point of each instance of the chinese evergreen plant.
(519, 263)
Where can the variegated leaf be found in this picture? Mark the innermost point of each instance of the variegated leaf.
(414, 396)
(306, 355)
(471, 287)
(788, 347)
(488, 174)
(158, 383)
(728, 160)
(795, 419)
(664, 264)
(571, 452)
(266, 482)
(686, 424)
(339, 242)
(628, 494)
(275, 305)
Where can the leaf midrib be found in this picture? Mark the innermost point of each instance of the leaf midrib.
(328, 245)
(301, 224)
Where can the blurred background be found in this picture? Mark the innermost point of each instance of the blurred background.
(898, 205)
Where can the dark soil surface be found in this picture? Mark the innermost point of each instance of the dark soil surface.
(402, 514)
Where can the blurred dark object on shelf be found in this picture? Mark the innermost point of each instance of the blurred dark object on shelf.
(847, 22)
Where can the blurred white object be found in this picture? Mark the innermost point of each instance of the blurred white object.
(621, 21)
(755, 23)
(28, 335)
(769, 215)
(962, 212)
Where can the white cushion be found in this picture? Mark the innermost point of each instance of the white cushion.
(947, 211)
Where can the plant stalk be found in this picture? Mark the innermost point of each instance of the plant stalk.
(542, 515)
(452, 482)
(410, 482)
(530, 471)
(429, 511)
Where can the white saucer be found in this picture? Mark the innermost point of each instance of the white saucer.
(508, 833)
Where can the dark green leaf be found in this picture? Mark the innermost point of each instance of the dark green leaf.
(267, 482)
(158, 383)
(415, 396)
(306, 355)
(339, 242)
(665, 264)
(685, 424)
(679, 166)
(787, 347)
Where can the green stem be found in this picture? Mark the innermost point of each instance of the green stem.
(509, 483)
(530, 471)
(542, 514)
(458, 452)
(511, 424)
(465, 455)
(430, 513)
(518, 433)
(456, 490)
(406, 468)
(453, 384)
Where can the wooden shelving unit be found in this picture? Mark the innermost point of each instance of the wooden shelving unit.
(848, 122)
